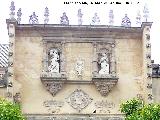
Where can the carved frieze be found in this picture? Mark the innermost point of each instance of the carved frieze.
(104, 106)
(53, 106)
(79, 99)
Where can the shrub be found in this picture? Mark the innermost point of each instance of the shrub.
(10, 111)
(135, 110)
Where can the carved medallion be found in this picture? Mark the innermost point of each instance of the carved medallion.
(79, 99)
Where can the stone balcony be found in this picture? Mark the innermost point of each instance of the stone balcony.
(53, 82)
(104, 83)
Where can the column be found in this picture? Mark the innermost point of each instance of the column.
(95, 58)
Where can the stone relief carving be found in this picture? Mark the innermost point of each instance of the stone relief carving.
(33, 19)
(140, 96)
(54, 61)
(104, 106)
(104, 64)
(17, 98)
(64, 19)
(104, 87)
(79, 67)
(53, 73)
(53, 106)
(53, 87)
(78, 99)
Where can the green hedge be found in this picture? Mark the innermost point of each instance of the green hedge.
(10, 111)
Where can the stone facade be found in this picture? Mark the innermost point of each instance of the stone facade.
(67, 94)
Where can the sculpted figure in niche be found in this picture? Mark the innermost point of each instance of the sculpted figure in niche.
(104, 64)
(54, 61)
(79, 67)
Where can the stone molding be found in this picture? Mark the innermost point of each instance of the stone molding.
(75, 117)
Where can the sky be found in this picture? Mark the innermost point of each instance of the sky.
(57, 7)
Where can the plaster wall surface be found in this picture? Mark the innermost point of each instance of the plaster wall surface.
(28, 67)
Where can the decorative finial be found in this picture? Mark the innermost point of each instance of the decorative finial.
(80, 17)
(19, 14)
(95, 20)
(126, 21)
(111, 17)
(12, 9)
(138, 18)
(64, 19)
(46, 15)
(33, 19)
(146, 13)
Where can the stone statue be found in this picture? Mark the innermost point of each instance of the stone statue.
(146, 13)
(138, 18)
(80, 17)
(19, 14)
(46, 15)
(104, 64)
(126, 21)
(54, 61)
(95, 20)
(64, 19)
(111, 17)
(79, 67)
(33, 19)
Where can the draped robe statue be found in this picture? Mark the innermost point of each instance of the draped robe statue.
(54, 64)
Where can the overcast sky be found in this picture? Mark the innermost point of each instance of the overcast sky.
(57, 7)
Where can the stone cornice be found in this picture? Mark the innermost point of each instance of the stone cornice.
(51, 31)
(105, 28)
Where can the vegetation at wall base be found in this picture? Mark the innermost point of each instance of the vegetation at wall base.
(10, 111)
(135, 109)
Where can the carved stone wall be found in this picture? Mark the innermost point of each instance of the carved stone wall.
(67, 93)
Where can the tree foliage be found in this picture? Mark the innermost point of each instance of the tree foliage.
(10, 111)
(136, 110)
